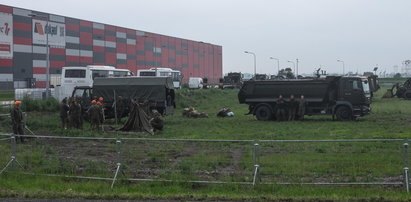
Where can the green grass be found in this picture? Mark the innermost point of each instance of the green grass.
(280, 162)
(6, 95)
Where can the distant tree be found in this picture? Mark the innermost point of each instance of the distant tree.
(397, 75)
(287, 72)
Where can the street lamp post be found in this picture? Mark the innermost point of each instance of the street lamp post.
(255, 62)
(343, 64)
(47, 32)
(278, 64)
(293, 64)
(296, 68)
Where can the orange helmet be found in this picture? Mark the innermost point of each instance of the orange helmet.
(100, 99)
(98, 103)
(17, 102)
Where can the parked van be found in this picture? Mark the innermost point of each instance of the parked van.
(195, 83)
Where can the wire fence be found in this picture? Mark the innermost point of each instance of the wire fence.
(248, 162)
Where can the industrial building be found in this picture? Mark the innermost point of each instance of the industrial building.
(24, 35)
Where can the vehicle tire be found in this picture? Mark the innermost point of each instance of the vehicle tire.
(343, 113)
(263, 113)
(407, 95)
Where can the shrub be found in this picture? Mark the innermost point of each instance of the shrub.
(48, 105)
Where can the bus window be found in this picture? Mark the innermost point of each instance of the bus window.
(120, 73)
(75, 73)
(147, 73)
(99, 73)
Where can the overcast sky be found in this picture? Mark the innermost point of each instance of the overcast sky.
(363, 33)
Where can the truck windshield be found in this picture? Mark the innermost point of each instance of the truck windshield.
(365, 86)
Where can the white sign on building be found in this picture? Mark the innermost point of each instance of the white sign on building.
(6, 35)
(56, 33)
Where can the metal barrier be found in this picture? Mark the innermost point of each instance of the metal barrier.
(121, 161)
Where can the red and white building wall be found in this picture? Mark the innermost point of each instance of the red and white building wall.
(74, 42)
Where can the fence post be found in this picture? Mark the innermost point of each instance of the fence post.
(256, 154)
(256, 165)
(406, 177)
(118, 150)
(12, 154)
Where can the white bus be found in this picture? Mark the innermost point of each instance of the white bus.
(163, 72)
(84, 76)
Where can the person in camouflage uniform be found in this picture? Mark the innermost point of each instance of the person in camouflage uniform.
(301, 108)
(17, 120)
(157, 121)
(120, 106)
(75, 114)
(281, 106)
(95, 115)
(292, 108)
(64, 108)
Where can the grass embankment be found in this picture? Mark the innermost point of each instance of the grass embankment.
(280, 162)
(6, 95)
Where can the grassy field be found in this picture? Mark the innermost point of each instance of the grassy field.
(6, 95)
(220, 161)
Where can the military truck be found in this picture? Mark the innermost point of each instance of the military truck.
(343, 97)
(154, 90)
(232, 80)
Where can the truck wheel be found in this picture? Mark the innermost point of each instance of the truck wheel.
(407, 95)
(343, 113)
(263, 113)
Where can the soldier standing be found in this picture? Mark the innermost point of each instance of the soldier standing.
(17, 120)
(75, 114)
(281, 106)
(292, 108)
(101, 113)
(95, 115)
(301, 107)
(120, 106)
(64, 108)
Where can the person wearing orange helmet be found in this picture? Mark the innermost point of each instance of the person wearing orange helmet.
(17, 117)
(94, 113)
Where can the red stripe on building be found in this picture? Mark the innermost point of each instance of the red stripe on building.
(98, 48)
(86, 38)
(111, 58)
(22, 41)
(6, 62)
(110, 27)
(98, 31)
(6, 9)
(130, 31)
(121, 48)
(22, 26)
(40, 84)
(72, 27)
(72, 58)
(39, 70)
(121, 29)
(57, 64)
(86, 59)
(110, 38)
(122, 66)
(86, 23)
(131, 50)
(57, 51)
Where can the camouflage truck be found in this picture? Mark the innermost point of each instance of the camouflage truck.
(343, 97)
(232, 80)
(144, 89)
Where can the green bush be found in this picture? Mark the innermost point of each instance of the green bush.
(47, 105)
